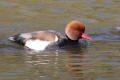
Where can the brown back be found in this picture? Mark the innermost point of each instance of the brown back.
(44, 35)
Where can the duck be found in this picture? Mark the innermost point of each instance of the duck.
(42, 40)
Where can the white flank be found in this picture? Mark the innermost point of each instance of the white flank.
(56, 38)
(37, 45)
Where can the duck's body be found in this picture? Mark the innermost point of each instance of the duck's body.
(42, 40)
(37, 40)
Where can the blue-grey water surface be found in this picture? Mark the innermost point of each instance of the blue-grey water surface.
(99, 61)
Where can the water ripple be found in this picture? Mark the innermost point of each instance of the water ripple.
(101, 79)
(36, 7)
(58, 10)
(85, 19)
(95, 59)
(107, 37)
(113, 63)
(7, 3)
(105, 15)
(1, 26)
(101, 5)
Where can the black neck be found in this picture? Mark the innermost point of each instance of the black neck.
(71, 40)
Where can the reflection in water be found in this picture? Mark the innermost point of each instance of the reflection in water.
(52, 65)
(43, 66)
(76, 65)
(47, 64)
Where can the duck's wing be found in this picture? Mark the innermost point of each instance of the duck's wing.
(45, 36)
(48, 35)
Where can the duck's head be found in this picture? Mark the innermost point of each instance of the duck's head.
(75, 30)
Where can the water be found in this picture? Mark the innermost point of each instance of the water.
(100, 61)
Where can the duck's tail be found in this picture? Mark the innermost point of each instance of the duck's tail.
(11, 38)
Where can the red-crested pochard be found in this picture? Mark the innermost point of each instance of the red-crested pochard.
(41, 40)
